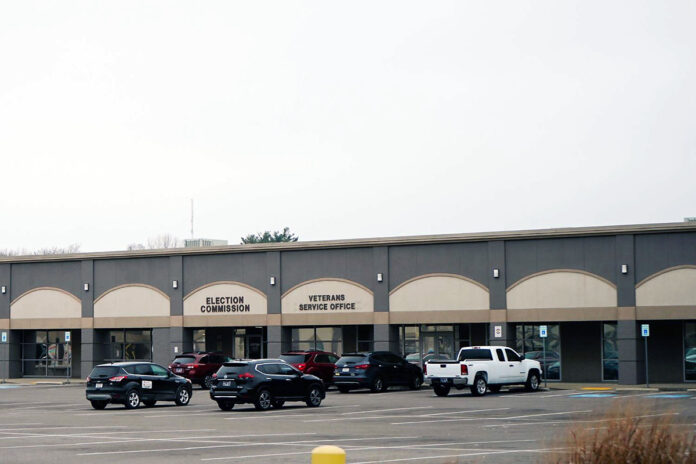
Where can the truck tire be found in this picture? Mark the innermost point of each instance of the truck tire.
(480, 386)
(532, 383)
(441, 390)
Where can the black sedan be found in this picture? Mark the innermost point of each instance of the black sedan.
(266, 383)
(130, 383)
(377, 371)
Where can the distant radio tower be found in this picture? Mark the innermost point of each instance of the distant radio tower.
(191, 217)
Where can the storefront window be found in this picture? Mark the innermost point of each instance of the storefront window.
(199, 340)
(610, 352)
(531, 345)
(419, 343)
(130, 345)
(46, 353)
(331, 339)
(690, 351)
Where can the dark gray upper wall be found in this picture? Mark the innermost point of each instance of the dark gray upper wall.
(591, 254)
(655, 252)
(356, 264)
(248, 268)
(5, 299)
(149, 271)
(467, 259)
(63, 275)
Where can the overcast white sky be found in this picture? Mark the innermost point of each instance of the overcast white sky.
(341, 120)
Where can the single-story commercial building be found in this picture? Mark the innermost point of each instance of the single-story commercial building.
(593, 288)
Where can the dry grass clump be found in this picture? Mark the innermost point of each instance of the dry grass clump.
(628, 435)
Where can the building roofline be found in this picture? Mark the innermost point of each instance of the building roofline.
(369, 242)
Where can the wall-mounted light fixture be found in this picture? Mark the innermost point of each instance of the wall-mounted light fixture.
(175, 284)
(624, 268)
(86, 287)
(272, 280)
(496, 273)
(3, 289)
(380, 277)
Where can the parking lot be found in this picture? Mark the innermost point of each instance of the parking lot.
(57, 424)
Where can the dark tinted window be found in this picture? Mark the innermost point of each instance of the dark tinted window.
(322, 358)
(392, 358)
(473, 353)
(286, 369)
(233, 369)
(184, 360)
(511, 355)
(142, 369)
(294, 358)
(350, 360)
(204, 360)
(332, 359)
(379, 357)
(272, 369)
(159, 370)
(501, 356)
(104, 372)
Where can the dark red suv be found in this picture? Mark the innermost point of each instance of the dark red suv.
(199, 366)
(318, 363)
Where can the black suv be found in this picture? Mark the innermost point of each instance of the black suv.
(264, 382)
(377, 371)
(129, 383)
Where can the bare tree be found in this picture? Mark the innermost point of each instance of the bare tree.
(70, 249)
(157, 243)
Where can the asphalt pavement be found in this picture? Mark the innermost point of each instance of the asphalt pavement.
(56, 424)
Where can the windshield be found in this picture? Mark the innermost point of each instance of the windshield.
(484, 355)
(184, 360)
(294, 358)
(232, 370)
(104, 372)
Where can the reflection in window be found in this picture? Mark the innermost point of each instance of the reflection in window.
(690, 350)
(610, 352)
(130, 345)
(531, 346)
(199, 340)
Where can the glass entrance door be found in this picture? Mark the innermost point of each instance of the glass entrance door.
(437, 342)
(249, 344)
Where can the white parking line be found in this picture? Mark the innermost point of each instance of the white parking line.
(465, 419)
(234, 445)
(574, 421)
(464, 411)
(22, 435)
(574, 392)
(383, 410)
(395, 416)
(479, 453)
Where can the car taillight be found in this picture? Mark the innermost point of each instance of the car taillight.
(362, 366)
(87, 379)
(464, 369)
(302, 367)
(215, 375)
(245, 375)
(117, 378)
(425, 368)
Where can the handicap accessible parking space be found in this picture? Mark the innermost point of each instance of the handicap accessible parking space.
(58, 424)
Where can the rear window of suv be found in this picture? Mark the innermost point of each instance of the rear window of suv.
(232, 369)
(104, 372)
(295, 358)
(351, 360)
(483, 355)
(184, 360)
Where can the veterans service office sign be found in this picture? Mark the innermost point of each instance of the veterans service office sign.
(325, 296)
(225, 298)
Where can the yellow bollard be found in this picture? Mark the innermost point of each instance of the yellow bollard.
(328, 454)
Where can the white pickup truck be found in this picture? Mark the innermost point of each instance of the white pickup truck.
(481, 368)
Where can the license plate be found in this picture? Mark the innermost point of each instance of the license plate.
(346, 369)
(179, 370)
(227, 383)
(99, 385)
(444, 380)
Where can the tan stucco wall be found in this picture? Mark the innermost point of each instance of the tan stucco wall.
(354, 293)
(46, 303)
(439, 292)
(675, 287)
(562, 289)
(130, 301)
(256, 300)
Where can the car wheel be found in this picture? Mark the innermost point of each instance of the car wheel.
(441, 390)
(263, 400)
(277, 404)
(416, 382)
(132, 398)
(99, 404)
(314, 397)
(183, 396)
(479, 387)
(149, 403)
(207, 382)
(494, 388)
(226, 405)
(377, 385)
(343, 389)
(532, 383)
